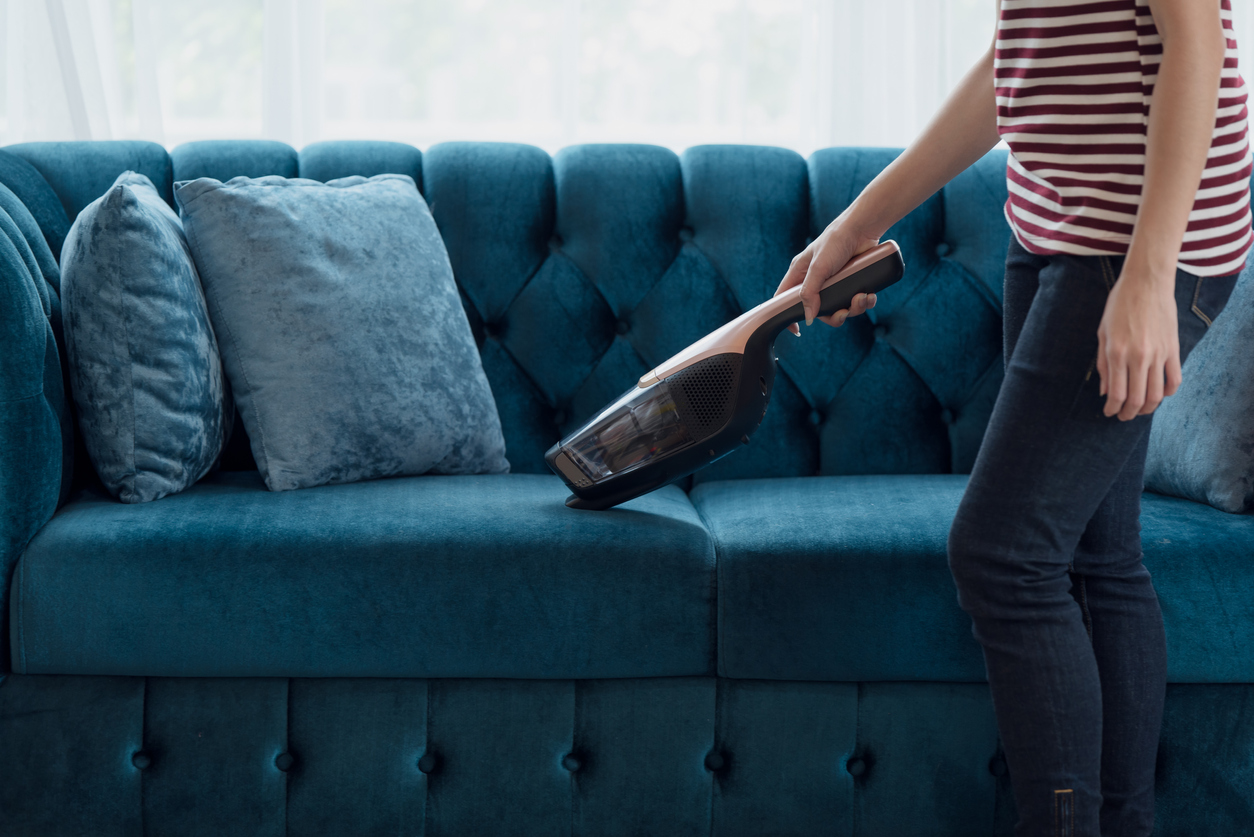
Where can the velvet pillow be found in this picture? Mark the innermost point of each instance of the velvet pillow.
(342, 330)
(1202, 440)
(144, 365)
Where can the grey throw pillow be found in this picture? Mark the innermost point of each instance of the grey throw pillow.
(1202, 440)
(342, 331)
(144, 365)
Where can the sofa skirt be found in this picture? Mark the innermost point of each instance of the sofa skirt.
(657, 756)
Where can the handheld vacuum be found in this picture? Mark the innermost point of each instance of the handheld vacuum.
(704, 402)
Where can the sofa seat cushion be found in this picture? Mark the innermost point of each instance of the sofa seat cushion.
(434, 576)
(846, 578)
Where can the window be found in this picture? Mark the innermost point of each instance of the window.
(803, 74)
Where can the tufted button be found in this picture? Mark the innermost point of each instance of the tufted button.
(943, 249)
(714, 761)
(816, 418)
(494, 329)
(555, 243)
(284, 761)
(880, 332)
(997, 765)
(855, 766)
(685, 234)
(947, 416)
(559, 418)
(571, 762)
(141, 760)
(428, 763)
(622, 327)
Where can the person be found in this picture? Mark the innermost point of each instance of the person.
(1128, 181)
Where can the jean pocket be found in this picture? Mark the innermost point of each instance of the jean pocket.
(1089, 401)
(1210, 295)
(1064, 813)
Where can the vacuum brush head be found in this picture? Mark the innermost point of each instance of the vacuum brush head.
(704, 402)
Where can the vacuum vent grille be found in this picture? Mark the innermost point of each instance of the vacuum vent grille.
(705, 393)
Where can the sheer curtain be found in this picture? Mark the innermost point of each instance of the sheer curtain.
(797, 73)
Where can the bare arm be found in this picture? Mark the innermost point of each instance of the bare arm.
(962, 131)
(1139, 350)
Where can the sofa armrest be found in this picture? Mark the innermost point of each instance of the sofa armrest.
(32, 421)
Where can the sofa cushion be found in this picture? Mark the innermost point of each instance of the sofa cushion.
(342, 334)
(144, 366)
(846, 578)
(1201, 443)
(467, 576)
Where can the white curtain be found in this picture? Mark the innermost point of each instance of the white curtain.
(803, 74)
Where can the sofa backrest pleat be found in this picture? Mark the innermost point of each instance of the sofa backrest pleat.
(582, 270)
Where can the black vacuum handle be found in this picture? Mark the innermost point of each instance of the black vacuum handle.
(871, 279)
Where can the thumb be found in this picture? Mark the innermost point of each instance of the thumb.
(825, 263)
(796, 271)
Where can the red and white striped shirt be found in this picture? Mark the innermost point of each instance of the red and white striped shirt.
(1075, 82)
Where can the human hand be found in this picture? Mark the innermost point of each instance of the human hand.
(821, 259)
(1138, 346)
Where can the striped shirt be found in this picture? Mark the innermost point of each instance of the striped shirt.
(1075, 82)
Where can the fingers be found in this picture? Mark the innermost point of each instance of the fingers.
(820, 270)
(1174, 376)
(1115, 382)
(793, 277)
(810, 293)
(1153, 390)
(1101, 363)
(796, 271)
(860, 304)
(1138, 378)
(1134, 383)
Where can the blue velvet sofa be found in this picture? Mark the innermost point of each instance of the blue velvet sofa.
(773, 647)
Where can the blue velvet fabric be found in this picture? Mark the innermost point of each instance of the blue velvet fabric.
(1202, 439)
(21, 246)
(469, 576)
(845, 578)
(344, 158)
(649, 251)
(144, 365)
(23, 233)
(225, 159)
(410, 578)
(80, 172)
(342, 332)
(33, 414)
(25, 181)
(21, 217)
(682, 757)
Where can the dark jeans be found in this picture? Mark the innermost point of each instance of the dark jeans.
(1046, 553)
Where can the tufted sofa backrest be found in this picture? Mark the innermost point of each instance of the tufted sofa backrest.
(581, 271)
